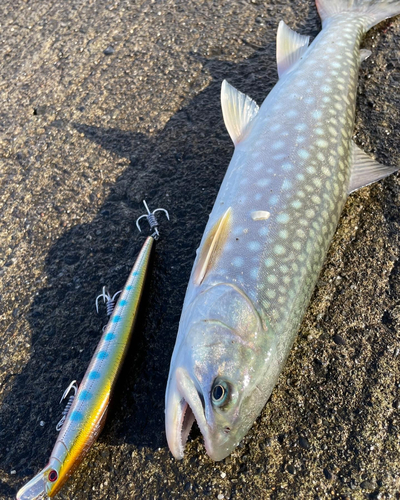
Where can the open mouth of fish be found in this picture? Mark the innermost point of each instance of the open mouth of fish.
(184, 407)
(187, 420)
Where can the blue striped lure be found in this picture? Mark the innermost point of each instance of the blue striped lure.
(87, 413)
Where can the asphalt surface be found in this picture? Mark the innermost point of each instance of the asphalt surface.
(107, 103)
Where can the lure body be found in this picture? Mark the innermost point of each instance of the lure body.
(87, 414)
(273, 220)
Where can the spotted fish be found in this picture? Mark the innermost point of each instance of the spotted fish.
(293, 167)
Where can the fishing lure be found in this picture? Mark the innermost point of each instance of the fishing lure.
(86, 411)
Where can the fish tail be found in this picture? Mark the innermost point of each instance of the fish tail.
(373, 11)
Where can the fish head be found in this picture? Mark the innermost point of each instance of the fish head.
(217, 370)
(45, 484)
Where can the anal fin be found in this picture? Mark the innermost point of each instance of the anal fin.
(366, 170)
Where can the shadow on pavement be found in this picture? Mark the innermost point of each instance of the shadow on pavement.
(179, 169)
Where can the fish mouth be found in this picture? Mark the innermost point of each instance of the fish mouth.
(183, 406)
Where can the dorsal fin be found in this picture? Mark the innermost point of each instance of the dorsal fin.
(290, 47)
(366, 170)
(238, 111)
(212, 247)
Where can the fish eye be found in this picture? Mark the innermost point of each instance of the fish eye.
(52, 476)
(220, 393)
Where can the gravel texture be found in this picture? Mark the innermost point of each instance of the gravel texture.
(105, 103)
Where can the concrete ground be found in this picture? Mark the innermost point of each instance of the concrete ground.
(105, 103)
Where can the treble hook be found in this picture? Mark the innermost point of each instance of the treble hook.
(109, 301)
(73, 385)
(151, 219)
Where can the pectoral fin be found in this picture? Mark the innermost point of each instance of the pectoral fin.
(366, 170)
(364, 54)
(212, 247)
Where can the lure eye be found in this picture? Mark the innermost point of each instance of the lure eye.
(53, 476)
(220, 393)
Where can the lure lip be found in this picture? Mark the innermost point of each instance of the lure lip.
(35, 489)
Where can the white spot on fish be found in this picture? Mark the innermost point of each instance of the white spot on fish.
(273, 200)
(301, 127)
(238, 261)
(260, 215)
(310, 213)
(303, 153)
(283, 218)
(317, 114)
(275, 127)
(284, 234)
(263, 182)
(254, 246)
(269, 262)
(279, 249)
(287, 166)
(286, 185)
(316, 199)
(291, 114)
(278, 145)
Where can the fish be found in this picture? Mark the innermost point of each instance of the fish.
(293, 167)
(87, 413)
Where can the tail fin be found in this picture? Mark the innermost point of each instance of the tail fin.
(374, 11)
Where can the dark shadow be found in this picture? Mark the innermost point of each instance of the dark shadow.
(179, 169)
